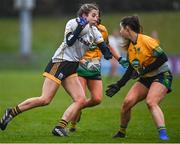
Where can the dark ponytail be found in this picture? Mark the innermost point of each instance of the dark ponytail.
(132, 22)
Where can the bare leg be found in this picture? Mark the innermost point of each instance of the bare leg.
(75, 90)
(156, 94)
(48, 92)
(137, 93)
(96, 90)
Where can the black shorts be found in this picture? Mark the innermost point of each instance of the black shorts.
(164, 78)
(60, 70)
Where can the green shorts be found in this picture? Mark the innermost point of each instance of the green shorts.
(164, 78)
(89, 74)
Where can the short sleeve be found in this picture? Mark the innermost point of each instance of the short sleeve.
(97, 35)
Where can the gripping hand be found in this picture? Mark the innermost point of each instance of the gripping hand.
(134, 75)
(81, 21)
(124, 62)
(112, 89)
(137, 73)
(91, 66)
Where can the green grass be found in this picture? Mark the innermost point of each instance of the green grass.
(98, 124)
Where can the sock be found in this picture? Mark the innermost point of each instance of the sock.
(161, 127)
(123, 129)
(63, 123)
(73, 125)
(15, 111)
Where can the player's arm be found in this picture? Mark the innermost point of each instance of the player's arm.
(114, 88)
(115, 54)
(105, 50)
(121, 60)
(71, 37)
(161, 58)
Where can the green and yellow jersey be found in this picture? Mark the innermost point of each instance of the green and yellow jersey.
(93, 56)
(144, 53)
(96, 53)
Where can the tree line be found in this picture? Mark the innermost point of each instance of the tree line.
(60, 7)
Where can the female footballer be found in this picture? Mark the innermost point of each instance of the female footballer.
(148, 62)
(62, 68)
(89, 73)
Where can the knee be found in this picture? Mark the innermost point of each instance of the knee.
(127, 105)
(81, 100)
(96, 100)
(150, 103)
(44, 101)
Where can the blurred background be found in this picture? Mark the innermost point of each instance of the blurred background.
(31, 30)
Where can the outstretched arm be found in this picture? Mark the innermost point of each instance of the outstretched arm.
(105, 50)
(114, 88)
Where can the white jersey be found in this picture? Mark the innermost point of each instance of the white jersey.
(81, 45)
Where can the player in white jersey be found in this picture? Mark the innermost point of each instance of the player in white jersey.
(89, 36)
(79, 35)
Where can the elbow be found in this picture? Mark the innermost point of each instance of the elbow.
(69, 43)
(70, 39)
(164, 57)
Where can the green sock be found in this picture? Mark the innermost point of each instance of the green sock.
(161, 127)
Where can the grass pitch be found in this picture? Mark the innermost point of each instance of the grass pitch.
(98, 124)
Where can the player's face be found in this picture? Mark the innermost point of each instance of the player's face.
(124, 32)
(93, 17)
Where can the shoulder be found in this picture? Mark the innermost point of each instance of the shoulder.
(148, 41)
(95, 29)
(103, 30)
(146, 38)
(101, 27)
(72, 22)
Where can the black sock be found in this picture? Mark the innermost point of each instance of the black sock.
(123, 129)
(63, 123)
(15, 111)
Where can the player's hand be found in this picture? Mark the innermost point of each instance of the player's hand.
(141, 71)
(138, 73)
(112, 89)
(91, 66)
(81, 21)
(134, 75)
(107, 55)
(92, 46)
(124, 62)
